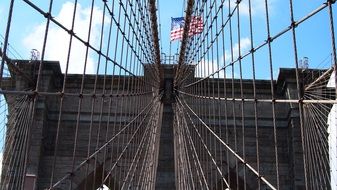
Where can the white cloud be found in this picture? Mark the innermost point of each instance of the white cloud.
(2, 21)
(257, 7)
(58, 39)
(244, 46)
(207, 67)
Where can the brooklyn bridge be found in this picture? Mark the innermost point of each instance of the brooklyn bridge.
(106, 101)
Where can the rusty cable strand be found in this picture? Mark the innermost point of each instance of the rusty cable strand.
(104, 145)
(202, 141)
(79, 38)
(187, 20)
(154, 26)
(4, 51)
(227, 147)
(262, 44)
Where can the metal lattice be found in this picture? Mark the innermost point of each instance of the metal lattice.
(108, 113)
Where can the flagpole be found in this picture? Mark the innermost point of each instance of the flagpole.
(170, 41)
(170, 52)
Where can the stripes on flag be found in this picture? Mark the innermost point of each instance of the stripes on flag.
(177, 27)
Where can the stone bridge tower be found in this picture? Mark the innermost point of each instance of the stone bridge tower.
(42, 134)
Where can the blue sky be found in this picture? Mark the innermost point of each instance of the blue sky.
(313, 36)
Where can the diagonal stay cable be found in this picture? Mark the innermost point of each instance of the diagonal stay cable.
(46, 14)
(205, 146)
(230, 149)
(265, 43)
(103, 146)
(128, 143)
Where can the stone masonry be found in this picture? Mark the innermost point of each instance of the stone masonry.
(43, 133)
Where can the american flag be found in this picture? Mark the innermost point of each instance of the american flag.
(177, 27)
